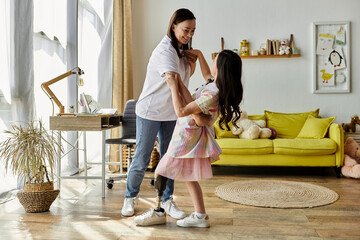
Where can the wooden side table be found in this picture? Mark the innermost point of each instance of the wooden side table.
(354, 135)
(85, 122)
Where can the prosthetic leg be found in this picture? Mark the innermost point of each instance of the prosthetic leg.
(160, 185)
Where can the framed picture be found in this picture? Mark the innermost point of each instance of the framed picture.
(331, 57)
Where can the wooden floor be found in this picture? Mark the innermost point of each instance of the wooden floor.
(81, 213)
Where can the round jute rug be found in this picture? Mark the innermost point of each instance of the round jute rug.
(276, 194)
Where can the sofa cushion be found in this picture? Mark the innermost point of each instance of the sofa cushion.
(315, 127)
(313, 147)
(288, 125)
(223, 133)
(245, 146)
(257, 117)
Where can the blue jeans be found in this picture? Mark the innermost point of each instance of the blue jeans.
(146, 132)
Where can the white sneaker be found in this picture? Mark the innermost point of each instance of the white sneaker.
(172, 210)
(128, 207)
(150, 218)
(194, 221)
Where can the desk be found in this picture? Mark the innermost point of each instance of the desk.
(85, 123)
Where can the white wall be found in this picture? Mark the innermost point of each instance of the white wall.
(282, 85)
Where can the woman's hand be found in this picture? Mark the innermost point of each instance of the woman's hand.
(171, 79)
(205, 70)
(191, 55)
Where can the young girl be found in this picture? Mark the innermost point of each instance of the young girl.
(193, 147)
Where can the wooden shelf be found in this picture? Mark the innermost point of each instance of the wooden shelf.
(354, 135)
(272, 56)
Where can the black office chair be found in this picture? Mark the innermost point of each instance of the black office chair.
(128, 138)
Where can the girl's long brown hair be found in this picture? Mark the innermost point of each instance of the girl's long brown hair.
(228, 81)
(179, 16)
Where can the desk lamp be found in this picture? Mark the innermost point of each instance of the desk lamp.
(51, 95)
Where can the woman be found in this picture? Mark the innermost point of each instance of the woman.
(155, 115)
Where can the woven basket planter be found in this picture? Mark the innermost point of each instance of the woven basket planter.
(38, 187)
(37, 197)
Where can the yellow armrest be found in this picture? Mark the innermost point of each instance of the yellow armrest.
(336, 133)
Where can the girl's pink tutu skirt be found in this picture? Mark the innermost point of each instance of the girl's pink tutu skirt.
(185, 169)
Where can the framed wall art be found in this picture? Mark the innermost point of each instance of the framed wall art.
(331, 57)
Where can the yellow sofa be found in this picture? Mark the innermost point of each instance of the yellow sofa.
(303, 139)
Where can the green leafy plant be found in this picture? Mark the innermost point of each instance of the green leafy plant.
(28, 151)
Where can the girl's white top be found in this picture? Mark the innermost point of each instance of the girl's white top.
(155, 102)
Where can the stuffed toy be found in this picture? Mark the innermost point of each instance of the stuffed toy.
(273, 133)
(351, 167)
(351, 127)
(284, 48)
(250, 129)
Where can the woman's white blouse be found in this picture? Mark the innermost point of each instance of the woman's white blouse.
(155, 102)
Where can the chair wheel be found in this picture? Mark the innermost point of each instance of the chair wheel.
(109, 183)
(152, 182)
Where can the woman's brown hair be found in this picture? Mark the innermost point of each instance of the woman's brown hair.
(179, 16)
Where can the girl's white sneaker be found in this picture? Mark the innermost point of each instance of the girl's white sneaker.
(194, 221)
(172, 210)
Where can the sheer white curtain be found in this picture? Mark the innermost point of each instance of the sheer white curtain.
(16, 64)
(7, 182)
(21, 61)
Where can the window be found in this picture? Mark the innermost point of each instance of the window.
(50, 55)
(53, 20)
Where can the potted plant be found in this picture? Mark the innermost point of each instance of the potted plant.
(71, 109)
(29, 152)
